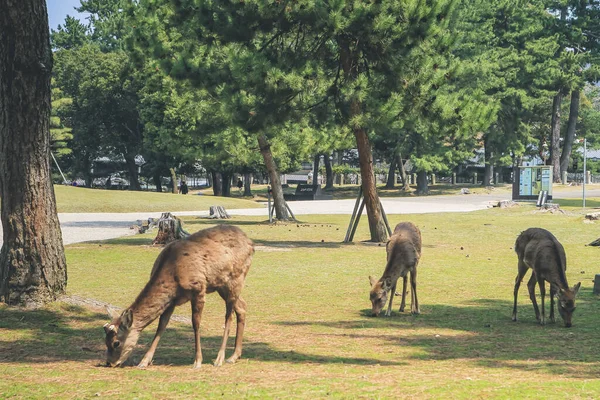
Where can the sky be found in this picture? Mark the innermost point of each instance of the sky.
(59, 9)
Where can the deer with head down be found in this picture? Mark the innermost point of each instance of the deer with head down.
(403, 254)
(212, 260)
(539, 250)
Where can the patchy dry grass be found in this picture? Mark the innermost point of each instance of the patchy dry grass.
(308, 332)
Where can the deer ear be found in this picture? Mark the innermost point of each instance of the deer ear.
(372, 280)
(126, 319)
(576, 288)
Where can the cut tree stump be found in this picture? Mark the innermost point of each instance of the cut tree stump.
(169, 229)
(218, 212)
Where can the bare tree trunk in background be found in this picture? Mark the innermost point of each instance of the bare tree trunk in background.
(488, 175)
(340, 160)
(281, 212)
(226, 183)
(132, 172)
(422, 184)
(328, 172)
(33, 268)
(157, 182)
(247, 183)
(555, 137)
(217, 183)
(403, 174)
(391, 178)
(173, 180)
(570, 136)
(316, 162)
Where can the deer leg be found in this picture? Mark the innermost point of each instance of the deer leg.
(240, 312)
(542, 286)
(531, 287)
(162, 325)
(553, 292)
(414, 303)
(518, 279)
(389, 310)
(403, 303)
(197, 307)
(228, 318)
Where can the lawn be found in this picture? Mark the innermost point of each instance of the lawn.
(71, 199)
(308, 333)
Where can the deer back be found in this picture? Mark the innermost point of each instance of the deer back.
(541, 251)
(210, 259)
(403, 249)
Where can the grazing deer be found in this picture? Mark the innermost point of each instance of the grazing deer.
(403, 254)
(539, 250)
(214, 259)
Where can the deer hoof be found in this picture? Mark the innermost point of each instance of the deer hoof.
(143, 365)
(197, 365)
(231, 360)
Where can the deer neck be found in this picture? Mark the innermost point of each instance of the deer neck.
(149, 305)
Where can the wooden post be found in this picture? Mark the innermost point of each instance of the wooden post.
(347, 238)
(360, 210)
(454, 178)
(474, 178)
(387, 224)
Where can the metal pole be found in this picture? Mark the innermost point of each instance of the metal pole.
(584, 168)
(269, 204)
(59, 170)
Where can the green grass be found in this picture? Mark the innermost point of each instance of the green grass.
(76, 199)
(308, 332)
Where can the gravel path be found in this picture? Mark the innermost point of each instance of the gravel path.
(83, 227)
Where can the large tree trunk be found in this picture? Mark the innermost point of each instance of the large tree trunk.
(488, 175)
(217, 183)
(350, 64)
(403, 174)
(247, 182)
(391, 178)
(376, 222)
(173, 180)
(132, 172)
(281, 212)
(226, 183)
(157, 182)
(33, 269)
(570, 136)
(422, 184)
(555, 137)
(328, 172)
(317, 161)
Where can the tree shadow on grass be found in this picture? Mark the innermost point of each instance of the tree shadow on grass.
(482, 332)
(72, 333)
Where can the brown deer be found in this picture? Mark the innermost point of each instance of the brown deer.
(539, 250)
(214, 259)
(403, 254)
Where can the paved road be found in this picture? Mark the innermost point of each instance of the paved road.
(80, 227)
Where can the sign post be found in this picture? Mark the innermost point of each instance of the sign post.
(530, 181)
